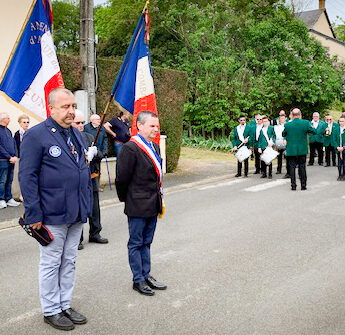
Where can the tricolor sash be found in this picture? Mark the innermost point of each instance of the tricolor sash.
(152, 155)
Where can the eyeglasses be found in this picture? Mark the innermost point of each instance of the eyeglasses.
(80, 122)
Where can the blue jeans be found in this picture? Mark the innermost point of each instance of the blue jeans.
(141, 232)
(6, 178)
(117, 148)
(57, 268)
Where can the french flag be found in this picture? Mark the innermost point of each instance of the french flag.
(33, 69)
(134, 88)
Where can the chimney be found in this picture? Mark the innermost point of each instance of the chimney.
(322, 4)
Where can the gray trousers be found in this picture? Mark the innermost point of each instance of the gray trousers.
(57, 268)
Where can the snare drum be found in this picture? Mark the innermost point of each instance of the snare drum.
(243, 153)
(269, 155)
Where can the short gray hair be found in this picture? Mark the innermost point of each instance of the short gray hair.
(78, 112)
(143, 116)
(4, 115)
(93, 116)
(53, 93)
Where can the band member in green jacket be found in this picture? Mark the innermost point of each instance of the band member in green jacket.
(340, 148)
(255, 133)
(329, 132)
(316, 140)
(295, 134)
(266, 139)
(241, 135)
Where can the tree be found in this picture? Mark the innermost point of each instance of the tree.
(66, 26)
(340, 30)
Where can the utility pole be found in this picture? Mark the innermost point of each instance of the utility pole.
(87, 52)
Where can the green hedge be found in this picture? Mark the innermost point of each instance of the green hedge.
(170, 85)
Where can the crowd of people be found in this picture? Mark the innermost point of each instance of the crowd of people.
(288, 138)
(117, 128)
(59, 169)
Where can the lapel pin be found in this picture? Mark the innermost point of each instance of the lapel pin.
(53, 130)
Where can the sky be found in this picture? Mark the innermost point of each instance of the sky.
(334, 7)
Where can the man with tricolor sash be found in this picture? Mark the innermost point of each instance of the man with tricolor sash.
(139, 186)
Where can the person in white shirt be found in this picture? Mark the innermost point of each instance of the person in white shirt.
(279, 142)
(256, 129)
(24, 123)
(316, 140)
(340, 149)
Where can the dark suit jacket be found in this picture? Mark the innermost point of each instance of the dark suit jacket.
(55, 187)
(137, 182)
(17, 140)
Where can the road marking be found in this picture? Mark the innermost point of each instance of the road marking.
(22, 317)
(226, 183)
(266, 186)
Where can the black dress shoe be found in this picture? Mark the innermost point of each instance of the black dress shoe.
(98, 239)
(80, 246)
(303, 188)
(310, 164)
(293, 188)
(143, 288)
(286, 176)
(327, 165)
(237, 175)
(278, 172)
(264, 176)
(74, 316)
(256, 172)
(59, 321)
(156, 285)
(270, 176)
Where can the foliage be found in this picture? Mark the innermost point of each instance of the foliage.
(217, 144)
(66, 26)
(340, 30)
(241, 57)
(170, 94)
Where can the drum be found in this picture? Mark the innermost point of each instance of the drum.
(280, 144)
(243, 153)
(269, 155)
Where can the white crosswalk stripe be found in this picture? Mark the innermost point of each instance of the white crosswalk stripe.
(266, 186)
(226, 183)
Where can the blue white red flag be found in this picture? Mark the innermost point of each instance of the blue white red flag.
(134, 88)
(33, 69)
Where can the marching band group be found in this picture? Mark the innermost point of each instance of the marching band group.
(264, 140)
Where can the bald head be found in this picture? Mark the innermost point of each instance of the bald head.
(296, 113)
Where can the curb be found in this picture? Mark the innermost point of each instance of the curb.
(13, 223)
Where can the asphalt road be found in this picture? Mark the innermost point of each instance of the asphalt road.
(239, 256)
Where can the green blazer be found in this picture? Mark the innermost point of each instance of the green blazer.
(337, 138)
(254, 142)
(236, 140)
(332, 139)
(295, 133)
(262, 139)
(318, 137)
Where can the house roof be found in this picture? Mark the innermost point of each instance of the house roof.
(327, 37)
(310, 17)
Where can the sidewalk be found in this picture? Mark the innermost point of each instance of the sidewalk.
(195, 167)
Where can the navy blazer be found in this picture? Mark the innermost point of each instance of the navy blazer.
(56, 189)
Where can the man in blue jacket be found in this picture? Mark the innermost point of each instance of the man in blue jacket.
(56, 187)
(8, 157)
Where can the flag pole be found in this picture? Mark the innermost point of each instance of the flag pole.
(107, 107)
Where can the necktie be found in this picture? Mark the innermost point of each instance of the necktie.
(71, 146)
